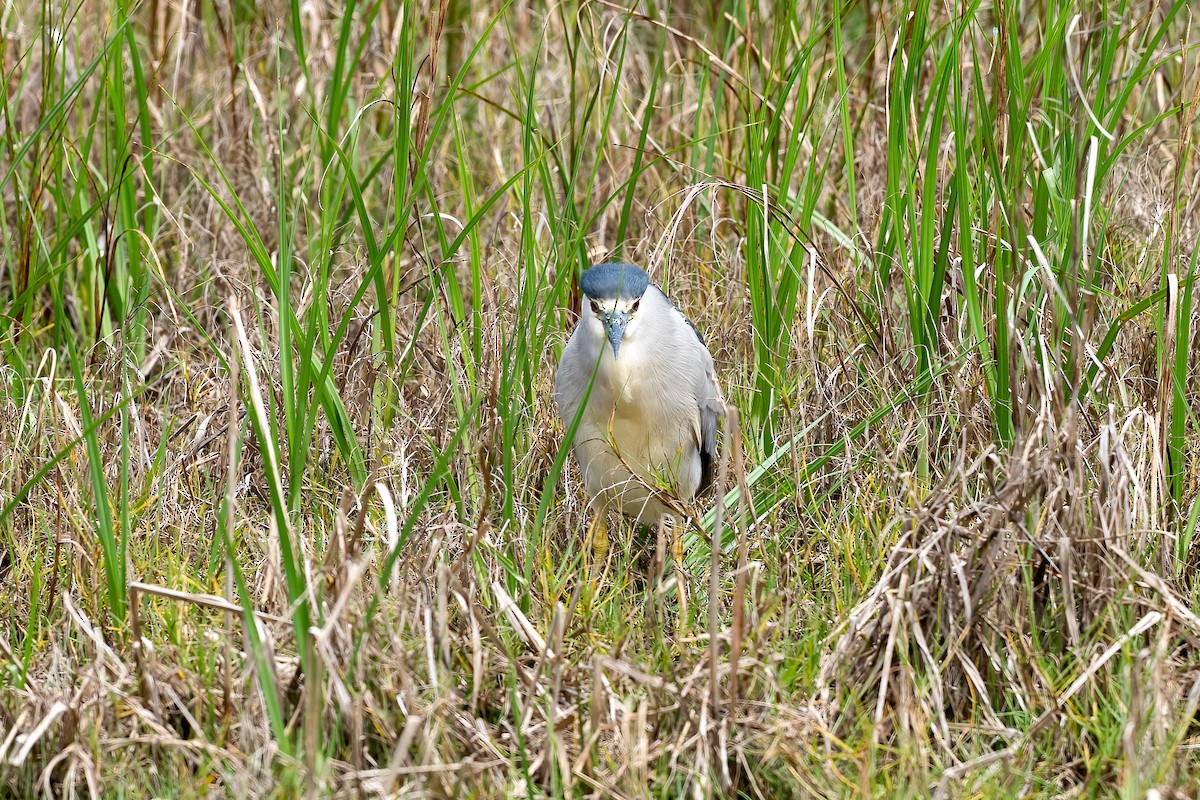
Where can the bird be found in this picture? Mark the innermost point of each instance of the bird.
(648, 419)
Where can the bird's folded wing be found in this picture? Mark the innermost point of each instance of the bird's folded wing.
(711, 407)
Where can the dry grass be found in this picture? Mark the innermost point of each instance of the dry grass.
(908, 601)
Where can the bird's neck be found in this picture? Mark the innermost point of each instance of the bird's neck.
(620, 378)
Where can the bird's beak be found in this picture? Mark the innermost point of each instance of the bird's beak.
(614, 325)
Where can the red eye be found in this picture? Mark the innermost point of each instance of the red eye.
(595, 307)
(636, 303)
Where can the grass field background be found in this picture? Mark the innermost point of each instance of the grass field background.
(284, 509)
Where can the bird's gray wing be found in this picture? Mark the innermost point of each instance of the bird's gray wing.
(572, 379)
(712, 409)
(710, 402)
(711, 406)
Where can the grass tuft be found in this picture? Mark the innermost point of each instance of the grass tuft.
(287, 510)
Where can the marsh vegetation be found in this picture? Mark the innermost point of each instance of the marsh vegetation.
(285, 510)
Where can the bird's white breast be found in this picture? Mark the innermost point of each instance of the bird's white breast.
(644, 404)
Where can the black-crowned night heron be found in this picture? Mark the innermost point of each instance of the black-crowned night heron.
(648, 429)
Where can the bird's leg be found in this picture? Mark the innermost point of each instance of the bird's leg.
(600, 538)
(659, 572)
(674, 536)
(597, 537)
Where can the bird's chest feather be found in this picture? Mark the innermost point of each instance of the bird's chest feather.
(644, 405)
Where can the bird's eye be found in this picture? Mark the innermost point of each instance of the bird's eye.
(595, 307)
(636, 303)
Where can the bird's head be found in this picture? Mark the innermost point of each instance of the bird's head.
(613, 293)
